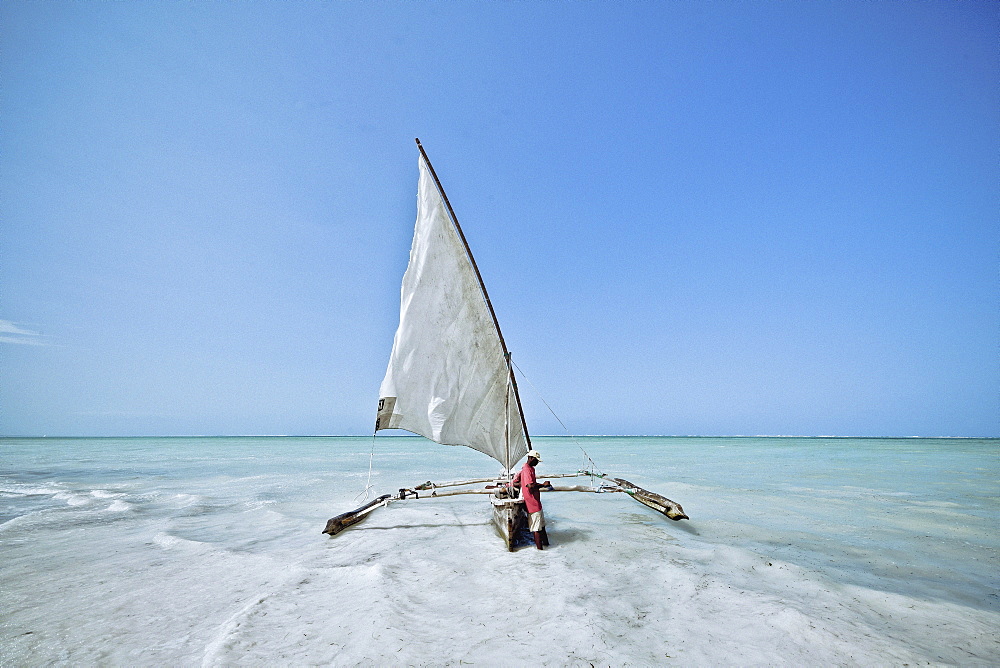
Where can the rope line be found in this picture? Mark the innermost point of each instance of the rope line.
(368, 487)
(593, 464)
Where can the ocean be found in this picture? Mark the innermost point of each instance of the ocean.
(799, 551)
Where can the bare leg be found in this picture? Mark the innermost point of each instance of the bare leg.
(538, 539)
(545, 537)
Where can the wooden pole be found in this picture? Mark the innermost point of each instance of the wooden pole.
(455, 483)
(506, 419)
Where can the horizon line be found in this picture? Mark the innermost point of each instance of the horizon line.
(535, 436)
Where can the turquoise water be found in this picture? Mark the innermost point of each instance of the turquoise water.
(182, 550)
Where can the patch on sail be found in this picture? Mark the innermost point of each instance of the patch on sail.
(386, 418)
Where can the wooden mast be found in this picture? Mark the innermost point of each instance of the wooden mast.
(506, 420)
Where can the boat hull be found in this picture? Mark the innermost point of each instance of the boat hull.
(510, 520)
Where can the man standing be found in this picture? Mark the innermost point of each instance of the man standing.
(532, 502)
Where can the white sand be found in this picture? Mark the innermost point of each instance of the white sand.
(221, 568)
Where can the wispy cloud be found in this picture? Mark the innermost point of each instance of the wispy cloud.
(11, 333)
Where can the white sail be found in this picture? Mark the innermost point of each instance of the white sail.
(448, 377)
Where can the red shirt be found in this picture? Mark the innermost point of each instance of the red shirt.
(527, 478)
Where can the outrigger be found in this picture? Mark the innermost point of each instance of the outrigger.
(509, 517)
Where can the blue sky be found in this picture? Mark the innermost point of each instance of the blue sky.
(693, 218)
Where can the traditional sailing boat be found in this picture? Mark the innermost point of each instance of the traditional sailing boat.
(450, 377)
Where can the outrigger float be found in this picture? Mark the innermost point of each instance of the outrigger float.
(451, 380)
(509, 516)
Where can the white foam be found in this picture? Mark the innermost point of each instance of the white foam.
(171, 542)
(186, 499)
(72, 499)
(166, 540)
(15, 489)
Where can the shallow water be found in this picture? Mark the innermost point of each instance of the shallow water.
(179, 551)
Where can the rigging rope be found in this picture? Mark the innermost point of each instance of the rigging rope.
(368, 487)
(593, 464)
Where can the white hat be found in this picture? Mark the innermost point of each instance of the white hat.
(534, 453)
